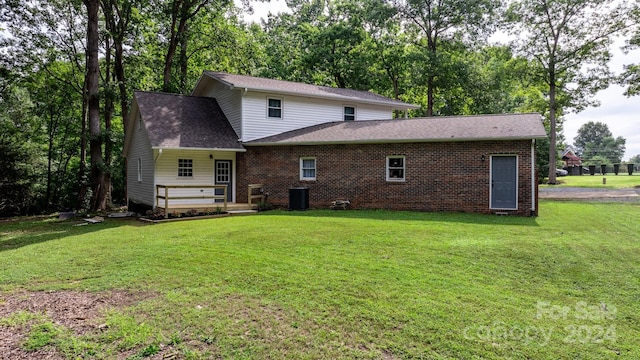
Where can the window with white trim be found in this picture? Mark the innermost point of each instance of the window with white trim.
(274, 108)
(307, 168)
(395, 168)
(349, 113)
(139, 169)
(185, 167)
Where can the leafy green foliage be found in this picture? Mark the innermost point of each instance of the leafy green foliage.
(630, 77)
(440, 22)
(564, 37)
(20, 163)
(596, 144)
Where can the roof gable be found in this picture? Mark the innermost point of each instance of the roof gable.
(446, 128)
(178, 121)
(301, 89)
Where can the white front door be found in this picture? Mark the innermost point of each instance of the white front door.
(223, 176)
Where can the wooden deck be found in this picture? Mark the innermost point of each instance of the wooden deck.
(204, 202)
(210, 208)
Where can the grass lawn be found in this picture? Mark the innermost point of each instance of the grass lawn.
(343, 284)
(620, 181)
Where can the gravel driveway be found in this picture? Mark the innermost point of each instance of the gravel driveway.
(590, 194)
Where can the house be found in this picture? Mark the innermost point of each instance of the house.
(234, 131)
(572, 162)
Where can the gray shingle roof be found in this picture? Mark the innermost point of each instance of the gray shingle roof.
(178, 121)
(446, 128)
(300, 89)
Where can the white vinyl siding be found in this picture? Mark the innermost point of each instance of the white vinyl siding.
(203, 172)
(307, 168)
(140, 182)
(229, 100)
(297, 112)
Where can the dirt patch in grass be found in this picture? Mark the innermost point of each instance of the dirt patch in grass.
(80, 312)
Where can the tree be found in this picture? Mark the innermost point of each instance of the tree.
(595, 140)
(45, 34)
(570, 39)
(56, 117)
(99, 191)
(389, 48)
(118, 21)
(590, 133)
(631, 75)
(323, 43)
(636, 161)
(181, 13)
(19, 162)
(438, 21)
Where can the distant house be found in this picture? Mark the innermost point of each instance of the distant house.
(341, 144)
(572, 162)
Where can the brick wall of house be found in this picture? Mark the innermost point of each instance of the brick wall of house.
(444, 176)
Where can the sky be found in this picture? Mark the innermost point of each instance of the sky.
(620, 113)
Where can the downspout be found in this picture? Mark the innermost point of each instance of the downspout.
(156, 160)
(534, 181)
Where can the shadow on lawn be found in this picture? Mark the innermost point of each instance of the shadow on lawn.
(17, 233)
(386, 215)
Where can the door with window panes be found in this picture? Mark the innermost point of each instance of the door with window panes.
(223, 176)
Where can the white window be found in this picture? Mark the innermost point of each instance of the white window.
(349, 113)
(274, 108)
(307, 168)
(185, 167)
(395, 168)
(139, 170)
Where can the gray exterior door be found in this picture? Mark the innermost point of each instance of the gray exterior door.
(223, 176)
(504, 182)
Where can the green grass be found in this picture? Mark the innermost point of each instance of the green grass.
(346, 284)
(620, 181)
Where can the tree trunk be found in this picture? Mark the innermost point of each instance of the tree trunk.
(552, 130)
(118, 28)
(181, 13)
(166, 79)
(184, 61)
(430, 96)
(432, 44)
(124, 99)
(47, 200)
(95, 136)
(173, 44)
(82, 186)
(108, 116)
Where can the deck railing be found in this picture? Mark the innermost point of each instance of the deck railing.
(167, 197)
(252, 195)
